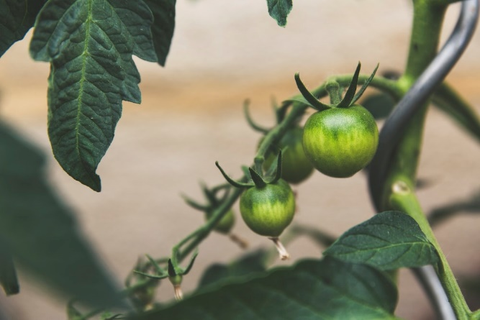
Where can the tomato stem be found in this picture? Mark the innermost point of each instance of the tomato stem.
(282, 252)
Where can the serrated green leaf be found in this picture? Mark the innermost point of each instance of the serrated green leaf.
(248, 264)
(8, 273)
(40, 231)
(390, 240)
(327, 289)
(163, 26)
(279, 10)
(16, 18)
(90, 45)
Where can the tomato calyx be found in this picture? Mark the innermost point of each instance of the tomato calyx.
(334, 91)
(174, 272)
(256, 179)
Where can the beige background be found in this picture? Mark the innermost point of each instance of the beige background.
(191, 116)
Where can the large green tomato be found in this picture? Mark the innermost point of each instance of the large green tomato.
(295, 165)
(268, 210)
(340, 141)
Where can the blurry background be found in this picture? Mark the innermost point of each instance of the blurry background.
(191, 115)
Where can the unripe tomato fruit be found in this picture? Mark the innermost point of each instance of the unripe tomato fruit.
(268, 210)
(295, 165)
(226, 223)
(340, 141)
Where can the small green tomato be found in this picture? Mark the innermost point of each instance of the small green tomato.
(296, 167)
(268, 210)
(340, 141)
(225, 224)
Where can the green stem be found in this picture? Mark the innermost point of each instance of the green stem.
(398, 192)
(404, 199)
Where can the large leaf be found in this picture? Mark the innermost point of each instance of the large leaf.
(163, 26)
(279, 10)
(16, 18)
(90, 45)
(328, 289)
(389, 240)
(40, 231)
(248, 264)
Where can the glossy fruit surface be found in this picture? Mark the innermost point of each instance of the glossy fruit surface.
(295, 165)
(226, 223)
(268, 210)
(340, 141)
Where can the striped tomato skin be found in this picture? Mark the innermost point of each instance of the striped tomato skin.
(339, 142)
(267, 211)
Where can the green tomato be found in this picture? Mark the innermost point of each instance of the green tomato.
(295, 165)
(269, 210)
(226, 223)
(340, 141)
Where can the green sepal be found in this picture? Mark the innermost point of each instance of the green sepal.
(312, 101)
(173, 270)
(192, 261)
(249, 119)
(156, 266)
(234, 183)
(192, 203)
(365, 85)
(208, 193)
(257, 179)
(151, 276)
(352, 88)
(278, 172)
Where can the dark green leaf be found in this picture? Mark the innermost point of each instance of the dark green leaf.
(379, 104)
(279, 10)
(16, 18)
(163, 26)
(8, 273)
(90, 46)
(40, 231)
(248, 264)
(389, 240)
(328, 289)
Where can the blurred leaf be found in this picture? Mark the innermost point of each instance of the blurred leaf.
(40, 231)
(8, 273)
(442, 213)
(90, 46)
(16, 18)
(449, 101)
(390, 240)
(248, 264)
(326, 289)
(379, 104)
(163, 26)
(279, 10)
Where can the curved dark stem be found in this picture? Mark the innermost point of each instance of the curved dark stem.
(397, 122)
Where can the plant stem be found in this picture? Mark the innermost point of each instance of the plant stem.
(398, 191)
(404, 199)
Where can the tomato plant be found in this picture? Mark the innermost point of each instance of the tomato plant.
(90, 47)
